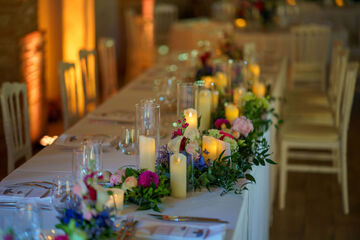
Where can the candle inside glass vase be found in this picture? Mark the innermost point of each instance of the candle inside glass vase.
(231, 112)
(259, 89)
(191, 117)
(238, 92)
(178, 180)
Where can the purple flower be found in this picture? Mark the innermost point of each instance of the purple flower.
(219, 122)
(148, 177)
(61, 237)
(8, 237)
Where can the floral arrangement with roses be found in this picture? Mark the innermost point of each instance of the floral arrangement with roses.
(142, 187)
(88, 215)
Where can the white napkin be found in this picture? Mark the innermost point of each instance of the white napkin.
(118, 115)
(150, 228)
(74, 141)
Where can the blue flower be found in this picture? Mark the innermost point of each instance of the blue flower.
(200, 163)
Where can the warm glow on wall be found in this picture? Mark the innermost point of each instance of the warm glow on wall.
(78, 31)
(32, 55)
(291, 2)
(339, 3)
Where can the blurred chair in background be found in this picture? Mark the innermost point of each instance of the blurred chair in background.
(88, 66)
(165, 15)
(107, 60)
(69, 87)
(309, 49)
(14, 105)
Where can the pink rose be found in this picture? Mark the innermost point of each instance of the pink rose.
(221, 123)
(77, 190)
(115, 180)
(242, 125)
(130, 182)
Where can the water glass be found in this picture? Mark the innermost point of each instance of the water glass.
(127, 143)
(78, 169)
(93, 150)
(61, 192)
(165, 91)
(27, 217)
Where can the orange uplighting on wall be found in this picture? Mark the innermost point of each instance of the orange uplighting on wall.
(78, 32)
(339, 3)
(32, 56)
(291, 2)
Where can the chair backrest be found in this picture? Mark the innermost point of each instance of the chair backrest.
(107, 60)
(88, 66)
(334, 67)
(14, 105)
(349, 90)
(69, 87)
(340, 79)
(310, 43)
(164, 16)
(309, 51)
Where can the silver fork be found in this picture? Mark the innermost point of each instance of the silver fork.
(128, 223)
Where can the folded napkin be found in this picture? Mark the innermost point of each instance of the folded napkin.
(118, 115)
(73, 141)
(13, 192)
(150, 228)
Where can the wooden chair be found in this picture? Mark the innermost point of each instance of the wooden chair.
(69, 87)
(319, 137)
(309, 50)
(88, 66)
(164, 16)
(108, 69)
(14, 105)
(317, 109)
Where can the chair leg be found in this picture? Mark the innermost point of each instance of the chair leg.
(344, 180)
(283, 175)
(336, 163)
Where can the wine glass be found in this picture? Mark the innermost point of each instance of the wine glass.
(127, 141)
(61, 192)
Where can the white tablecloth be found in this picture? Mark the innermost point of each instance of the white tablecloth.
(248, 213)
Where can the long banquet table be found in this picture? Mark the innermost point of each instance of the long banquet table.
(248, 214)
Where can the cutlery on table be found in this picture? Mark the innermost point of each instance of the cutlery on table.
(187, 219)
(13, 205)
(128, 223)
(131, 230)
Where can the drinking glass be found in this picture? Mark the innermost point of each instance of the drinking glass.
(28, 220)
(165, 91)
(127, 143)
(92, 160)
(61, 192)
(78, 169)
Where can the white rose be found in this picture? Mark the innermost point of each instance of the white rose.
(192, 133)
(174, 144)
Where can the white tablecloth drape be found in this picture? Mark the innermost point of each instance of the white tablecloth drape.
(248, 214)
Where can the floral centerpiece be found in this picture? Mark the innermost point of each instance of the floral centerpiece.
(143, 188)
(89, 215)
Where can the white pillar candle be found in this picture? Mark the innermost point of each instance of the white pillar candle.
(209, 145)
(204, 109)
(147, 153)
(178, 175)
(191, 117)
(215, 100)
(223, 146)
(116, 199)
(259, 89)
(238, 92)
(231, 112)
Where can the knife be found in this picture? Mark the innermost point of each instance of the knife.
(187, 219)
